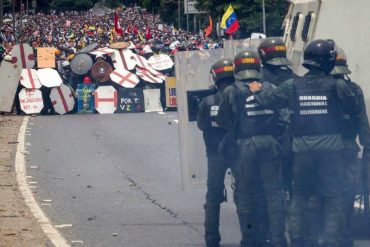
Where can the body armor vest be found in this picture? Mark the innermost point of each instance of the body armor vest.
(254, 119)
(316, 107)
(213, 135)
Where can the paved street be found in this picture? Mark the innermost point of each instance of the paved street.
(117, 180)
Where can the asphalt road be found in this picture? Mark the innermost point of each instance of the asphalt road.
(115, 180)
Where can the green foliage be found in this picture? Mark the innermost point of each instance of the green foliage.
(72, 4)
(113, 3)
(83, 4)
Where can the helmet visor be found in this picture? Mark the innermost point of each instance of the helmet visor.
(340, 70)
(279, 61)
(248, 74)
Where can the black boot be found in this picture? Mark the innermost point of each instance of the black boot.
(211, 226)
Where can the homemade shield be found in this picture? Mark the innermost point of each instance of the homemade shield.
(124, 59)
(102, 51)
(130, 100)
(22, 55)
(9, 78)
(81, 64)
(147, 76)
(29, 79)
(62, 99)
(31, 101)
(101, 71)
(160, 62)
(120, 45)
(124, 78)
(88, 48)
(85, 98)
(49, 77)
(105, 98)
(152, 100)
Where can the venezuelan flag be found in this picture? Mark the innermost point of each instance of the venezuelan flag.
(229, 21)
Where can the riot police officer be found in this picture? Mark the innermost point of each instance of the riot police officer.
(275, 70)
(354, 125)
(272, 52)
(318, 101)
(256, 170)
(223, 76)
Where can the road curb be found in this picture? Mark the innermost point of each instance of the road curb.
(20, 168)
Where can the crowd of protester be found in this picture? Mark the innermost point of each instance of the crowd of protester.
(70, 31)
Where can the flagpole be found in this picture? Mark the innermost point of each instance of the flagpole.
(179, 10)
(187, 15)
(264, 16)
(13, 6)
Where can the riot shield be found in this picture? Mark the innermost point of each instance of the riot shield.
(192, 73)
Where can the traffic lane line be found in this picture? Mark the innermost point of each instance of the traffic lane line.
(20, 168)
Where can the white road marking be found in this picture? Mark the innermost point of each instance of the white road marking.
(63, 225)
(20, 168)
(33, 167)
(32, 182)
(47, 200)
(176, 121)
(77, 242)
(161, 113)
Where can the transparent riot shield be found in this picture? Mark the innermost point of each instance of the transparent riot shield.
(192, 73)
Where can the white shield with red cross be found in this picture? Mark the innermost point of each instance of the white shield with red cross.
(31, 100)
(62, 99)
(147, 76)
(124, 59)
(49, 77)
(29, 79)
(144, 64)
(105, 98)
(103, 51)
(124, 78)
(23, 56)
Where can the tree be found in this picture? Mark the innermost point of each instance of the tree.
(72, 4)
(83, 4)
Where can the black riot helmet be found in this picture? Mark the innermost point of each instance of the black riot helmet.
(223, 71)
(247, 66)
(320, 54)
(340, 65)
(272, 51)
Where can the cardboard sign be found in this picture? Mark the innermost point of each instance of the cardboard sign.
(29, 79)
(105, 98)
(45, 57)
(85, 98)
(31, 101)
(171, 100)
(62, 99)
(130, 100)
(152, 100)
